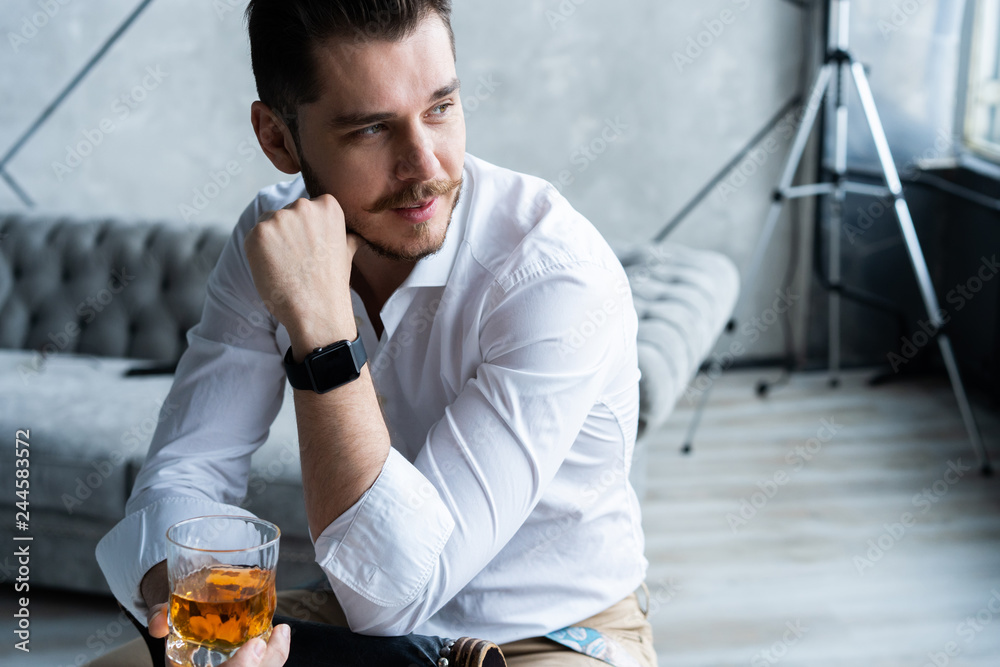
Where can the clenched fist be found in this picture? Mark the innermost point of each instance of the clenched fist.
(300, 258)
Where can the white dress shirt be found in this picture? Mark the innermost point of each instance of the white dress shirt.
(508, 377)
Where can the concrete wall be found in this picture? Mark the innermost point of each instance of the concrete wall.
(682, 86)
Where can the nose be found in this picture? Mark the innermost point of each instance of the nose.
(417, 161)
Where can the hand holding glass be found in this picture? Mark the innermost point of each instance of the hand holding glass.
(221, 573)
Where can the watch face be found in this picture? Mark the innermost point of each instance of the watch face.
(332, 367)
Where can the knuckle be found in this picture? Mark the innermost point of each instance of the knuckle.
(330, 201)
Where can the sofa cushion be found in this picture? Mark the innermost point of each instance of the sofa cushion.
(82, 416)
(85, 454)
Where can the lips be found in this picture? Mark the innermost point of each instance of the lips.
(418, 213)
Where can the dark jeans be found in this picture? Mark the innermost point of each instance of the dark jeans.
(321, 645)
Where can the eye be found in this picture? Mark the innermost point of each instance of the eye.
(371, 130)
(442, 109)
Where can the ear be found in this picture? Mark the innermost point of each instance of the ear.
(275, 138)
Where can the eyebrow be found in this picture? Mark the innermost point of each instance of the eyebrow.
(359, 119)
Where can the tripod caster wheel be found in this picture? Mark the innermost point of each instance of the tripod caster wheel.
(987, 470)
(762, 389)
(686, 449)
(834, 383)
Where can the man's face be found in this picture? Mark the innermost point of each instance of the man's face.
(387, 134)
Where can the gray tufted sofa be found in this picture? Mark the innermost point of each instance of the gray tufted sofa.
(92, 314)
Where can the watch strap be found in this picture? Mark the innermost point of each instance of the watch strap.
(300, 377)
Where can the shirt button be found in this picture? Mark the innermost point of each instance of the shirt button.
(358, 321)
(381, 400)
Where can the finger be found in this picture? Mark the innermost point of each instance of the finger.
(302, 201)
(157, 621)
(278, 647)
(353, 242)
(249, 655)
(257, 654)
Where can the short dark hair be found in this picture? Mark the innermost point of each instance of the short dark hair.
(284, 33)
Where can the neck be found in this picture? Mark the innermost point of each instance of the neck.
(375, 277)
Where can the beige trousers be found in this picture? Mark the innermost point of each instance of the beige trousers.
(623, 622)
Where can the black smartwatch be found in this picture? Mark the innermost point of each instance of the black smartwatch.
(326, 368)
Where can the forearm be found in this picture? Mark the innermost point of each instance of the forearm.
(303, 254)
(343, 443)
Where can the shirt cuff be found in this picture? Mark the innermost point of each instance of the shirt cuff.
(385, 547)
(139, 541)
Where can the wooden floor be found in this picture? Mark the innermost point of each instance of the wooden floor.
(819, 569)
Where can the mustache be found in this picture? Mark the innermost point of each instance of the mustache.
(414, 194)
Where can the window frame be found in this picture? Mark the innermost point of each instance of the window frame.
(977, 151)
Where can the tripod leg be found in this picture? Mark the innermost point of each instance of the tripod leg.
(917, 259)
(963, 404)
(836, 221)
(816, 96)
(833, 267)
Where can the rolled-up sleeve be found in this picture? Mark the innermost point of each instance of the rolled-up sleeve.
(550, 340)
(400, 499)
(226, 393)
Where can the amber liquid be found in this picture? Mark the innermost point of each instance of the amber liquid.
(222, 607)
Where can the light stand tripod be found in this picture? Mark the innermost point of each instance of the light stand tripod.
(839, 68)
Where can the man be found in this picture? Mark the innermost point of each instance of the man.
(472, 477)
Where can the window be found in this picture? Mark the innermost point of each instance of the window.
(982, 111)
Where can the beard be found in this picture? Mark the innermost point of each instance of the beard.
(420, 234)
